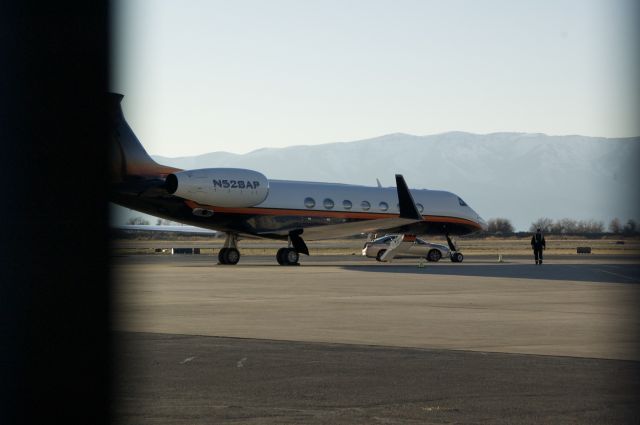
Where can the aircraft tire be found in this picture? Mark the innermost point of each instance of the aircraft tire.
(280, 256)
(434, 256)
(457, 257)
(287, 257)
(221, 256)
(380, 254)
(231, 256)
(291, 257)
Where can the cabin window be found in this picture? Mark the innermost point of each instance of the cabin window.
(461, 202)
(420, 208)
(383, 206)
(328, 203)
(346, 204)
(365, 205)
(309, 202)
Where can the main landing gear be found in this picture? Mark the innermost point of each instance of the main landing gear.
(229, 254)
(290, 255)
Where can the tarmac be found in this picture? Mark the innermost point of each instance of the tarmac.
(344, 339)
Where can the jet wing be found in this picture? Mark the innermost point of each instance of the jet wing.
(332, 231)
(409, 214)
(165, 229)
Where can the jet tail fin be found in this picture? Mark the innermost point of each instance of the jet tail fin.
(128, 156)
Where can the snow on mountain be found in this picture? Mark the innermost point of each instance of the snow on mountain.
(520, 176)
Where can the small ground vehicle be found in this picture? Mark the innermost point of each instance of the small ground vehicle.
(420, 248)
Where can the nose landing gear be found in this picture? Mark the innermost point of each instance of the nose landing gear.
(455, 255)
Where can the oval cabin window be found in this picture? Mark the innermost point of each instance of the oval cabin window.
(346, 204)
(328, 203)
(365, 205)
(383, 206)
(309, 202)
(420, 207)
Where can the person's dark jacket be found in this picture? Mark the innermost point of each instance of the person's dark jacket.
(538, 242)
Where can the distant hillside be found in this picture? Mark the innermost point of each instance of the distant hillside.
(519, 176)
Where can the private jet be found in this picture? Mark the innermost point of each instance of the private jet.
(246, 204)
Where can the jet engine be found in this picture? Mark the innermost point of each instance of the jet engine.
(221, 187)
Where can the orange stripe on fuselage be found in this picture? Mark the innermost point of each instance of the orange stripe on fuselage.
(332, 214)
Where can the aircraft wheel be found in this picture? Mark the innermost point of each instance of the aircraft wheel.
(231, 256)
(221, 256)
(280, 256)
(457, 257)
(292, 257)
(434, 255)
(287, 257)
(380, 254)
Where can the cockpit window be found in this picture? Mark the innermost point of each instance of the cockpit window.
(461, 202)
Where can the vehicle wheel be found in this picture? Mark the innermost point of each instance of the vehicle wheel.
(221, 256)
(380, 254)
(280, 256)
(291, 257)
(434, 255)
(457, 257)
(231, 256)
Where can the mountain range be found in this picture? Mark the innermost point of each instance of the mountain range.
(519, 176)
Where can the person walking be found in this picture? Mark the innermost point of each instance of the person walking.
(538, 244)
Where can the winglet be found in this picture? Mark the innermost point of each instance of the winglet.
(408, 207)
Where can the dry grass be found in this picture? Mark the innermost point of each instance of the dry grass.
(484, 246)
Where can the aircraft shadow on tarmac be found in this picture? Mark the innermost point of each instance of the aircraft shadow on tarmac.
(598, 273)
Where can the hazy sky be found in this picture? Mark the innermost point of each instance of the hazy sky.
(203, 76)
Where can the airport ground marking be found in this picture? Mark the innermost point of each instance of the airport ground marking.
(618, 275)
